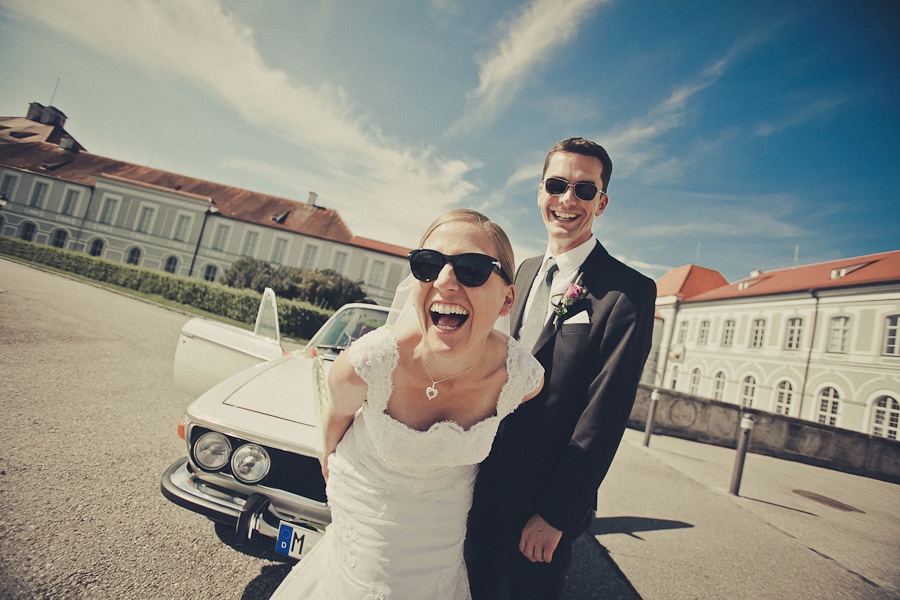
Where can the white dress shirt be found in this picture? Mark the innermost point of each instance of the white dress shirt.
(569, 264)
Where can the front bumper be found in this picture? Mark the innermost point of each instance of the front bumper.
(247, 509)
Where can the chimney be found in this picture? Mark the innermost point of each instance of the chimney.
(48, 115)
(756, 273)
(312, 198)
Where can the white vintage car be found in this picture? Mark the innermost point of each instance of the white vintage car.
(253, 438)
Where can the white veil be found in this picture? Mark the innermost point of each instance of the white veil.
(403, 311)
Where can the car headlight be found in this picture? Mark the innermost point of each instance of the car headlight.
(211, 450)
(250, 463)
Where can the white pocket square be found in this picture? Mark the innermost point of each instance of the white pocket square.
(581, 317)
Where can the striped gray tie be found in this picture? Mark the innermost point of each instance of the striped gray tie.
(537, 315)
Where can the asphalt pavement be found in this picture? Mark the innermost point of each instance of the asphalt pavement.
(666, 519)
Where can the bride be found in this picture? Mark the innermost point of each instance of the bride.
(414, 409)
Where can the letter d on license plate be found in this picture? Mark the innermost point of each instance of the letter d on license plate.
(294, 540)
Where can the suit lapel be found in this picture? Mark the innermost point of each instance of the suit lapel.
(524, 280)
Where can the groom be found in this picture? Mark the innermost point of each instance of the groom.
(537, 490)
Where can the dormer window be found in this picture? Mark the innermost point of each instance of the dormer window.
(844, 271)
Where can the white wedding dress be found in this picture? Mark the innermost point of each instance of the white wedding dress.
(400, 497)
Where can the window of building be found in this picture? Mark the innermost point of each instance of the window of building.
(784, 394)
(758, 333)
(27, 231)
(748, 391)
(838, 333)
(310, 257)
(682, 332)
(210, 272)
(145, 219)
(703, 334)
(70, 202)
(674, 377)
(58, 238)
(885, 417)
(2, 223)
(171, 264)
(182, 227)
(719, 385)
(96, 247)
(792, 337)
(829, 405)
(134, 256)
(251, 239)
(891, 337)
(108, 213)
(728, 332)
(279, 251)
(376, 276)
(695, 381)
(339, 262)
(8, 185)
(38, 195)
(221, 237)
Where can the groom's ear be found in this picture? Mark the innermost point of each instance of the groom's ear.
(508, 301)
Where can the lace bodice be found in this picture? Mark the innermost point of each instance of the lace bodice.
(374, 357)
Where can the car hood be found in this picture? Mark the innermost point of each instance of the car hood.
(283, 388)
(272, 403)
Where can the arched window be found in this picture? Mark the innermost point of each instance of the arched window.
(784, 393)
(885, 417)
(748, 390)
(210, 272)
(829, 406)
(695, 381)
(96, 247)
(674, 377)
(171, 264)
(134, 256)
(719, 385)
(58, 238)
(27, 231)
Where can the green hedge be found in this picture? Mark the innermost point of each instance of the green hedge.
(297, 319)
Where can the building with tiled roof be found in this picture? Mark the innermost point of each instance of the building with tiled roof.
(56, 193)
(819, 342)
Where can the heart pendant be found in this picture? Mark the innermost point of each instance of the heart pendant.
(431, 392)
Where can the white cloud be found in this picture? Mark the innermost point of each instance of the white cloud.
(529, 41)
(202, 42)
(821, 108)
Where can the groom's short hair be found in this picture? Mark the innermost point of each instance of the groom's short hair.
(587, 148)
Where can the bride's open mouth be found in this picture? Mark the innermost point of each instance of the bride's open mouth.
(448, 317)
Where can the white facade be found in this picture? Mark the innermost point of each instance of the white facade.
(169, 230)
(830, 356)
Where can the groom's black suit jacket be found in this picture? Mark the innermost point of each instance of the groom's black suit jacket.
(551, 455)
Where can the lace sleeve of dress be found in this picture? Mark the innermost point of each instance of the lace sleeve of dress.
(374, 358)
(524, 374)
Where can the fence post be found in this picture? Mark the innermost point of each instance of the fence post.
(651, 415)
(743, 442)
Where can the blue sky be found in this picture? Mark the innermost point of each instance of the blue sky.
(742, 134)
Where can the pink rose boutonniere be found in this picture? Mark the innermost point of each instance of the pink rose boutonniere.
(573, 293)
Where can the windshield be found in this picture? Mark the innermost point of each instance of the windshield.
(347, 325)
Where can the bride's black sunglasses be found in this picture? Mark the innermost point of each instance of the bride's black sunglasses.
(471, 269)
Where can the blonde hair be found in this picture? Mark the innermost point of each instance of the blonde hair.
(494, 232)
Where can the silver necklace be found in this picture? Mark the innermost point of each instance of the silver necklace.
(431, 391)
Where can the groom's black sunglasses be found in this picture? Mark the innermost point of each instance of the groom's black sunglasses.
(556, 186)
(471, 269)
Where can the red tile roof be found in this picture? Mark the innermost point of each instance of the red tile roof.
(688, 281)
(262, 209)
(847, 272)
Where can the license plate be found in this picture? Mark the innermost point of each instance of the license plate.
(295, 540)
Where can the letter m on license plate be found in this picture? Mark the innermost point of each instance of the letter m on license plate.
(294, 540)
